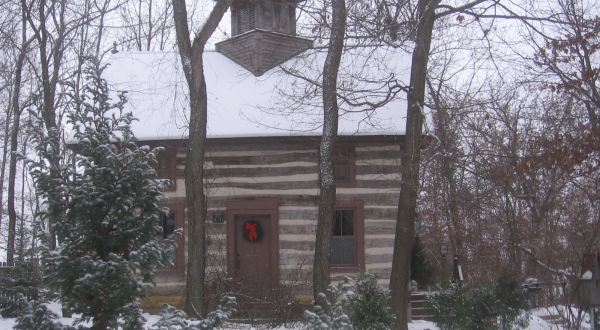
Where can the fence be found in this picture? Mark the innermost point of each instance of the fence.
(16, 282)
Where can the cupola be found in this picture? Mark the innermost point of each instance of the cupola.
(263, 34)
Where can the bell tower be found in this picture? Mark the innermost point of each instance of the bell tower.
(263, 34)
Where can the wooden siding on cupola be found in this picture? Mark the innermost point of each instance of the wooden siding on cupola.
(288, 171)
(268, 15)
(263, 34)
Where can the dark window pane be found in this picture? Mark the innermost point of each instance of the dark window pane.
(168, 227)
(343, 223)
(168, 224)
(343, 165)
(337, 224)
(347, 223)
(341, 170)
(343, 251)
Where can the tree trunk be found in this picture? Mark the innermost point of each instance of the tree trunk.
(448, 164)
(100, 323)
(22, 229)
(150, 25)
(194, 187)
(12, 174)
(20, 249)
(328, 139)
(51, 55)
(14, 135)
(191, 60)
(411, 159)
(4, 156)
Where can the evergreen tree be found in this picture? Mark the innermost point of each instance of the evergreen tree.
(173, 319)
(110, 241)
(36, 316)
(330, 310)
(370, 307)
(420, 268)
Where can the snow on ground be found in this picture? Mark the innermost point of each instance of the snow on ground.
(151, 319)
(562, 310)
(535, 323)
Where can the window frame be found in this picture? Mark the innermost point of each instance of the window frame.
(249, 206)
(178, 209)
(168, 157)
(357, 206)
(346, 153)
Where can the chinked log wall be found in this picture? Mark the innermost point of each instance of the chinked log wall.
(290, 173)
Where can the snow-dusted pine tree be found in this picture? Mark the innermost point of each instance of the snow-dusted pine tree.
(110, 241)
(330, 310)
(174, 319)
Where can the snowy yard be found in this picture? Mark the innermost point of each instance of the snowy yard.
(535, 322)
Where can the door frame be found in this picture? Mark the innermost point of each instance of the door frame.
(250, 206)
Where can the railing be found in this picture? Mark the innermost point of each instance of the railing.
(16, 282)
(4, 264)
(9, 296)
(544, 294)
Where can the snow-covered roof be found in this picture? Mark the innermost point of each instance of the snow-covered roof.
(239, 104)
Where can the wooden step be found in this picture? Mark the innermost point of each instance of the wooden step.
(554, 319)
(419, 307)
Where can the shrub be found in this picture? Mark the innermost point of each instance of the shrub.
(172, 318)
(497, 306)
(330, 310)
(451, 309)
(370, 307)
(358, 304)
(109, 232)
(421, 270)
(36, 316)
(20, 281)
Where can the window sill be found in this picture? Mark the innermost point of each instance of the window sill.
(346, 269)
(345, 184)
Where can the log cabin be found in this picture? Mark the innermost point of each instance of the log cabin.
(262, 160)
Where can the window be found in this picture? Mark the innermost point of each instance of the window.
(344, 167)
(168, 224)
(347, 241)
(168, 227)
(167, 167)
(171, 220)
(343, 241)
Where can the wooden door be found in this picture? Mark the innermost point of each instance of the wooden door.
(254, 267)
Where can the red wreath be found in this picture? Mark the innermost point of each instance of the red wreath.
(252, 231)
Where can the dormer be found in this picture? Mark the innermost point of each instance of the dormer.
(263, 34)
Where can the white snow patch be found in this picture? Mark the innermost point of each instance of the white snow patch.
(587, 275)
(535, 323)
(158, 97)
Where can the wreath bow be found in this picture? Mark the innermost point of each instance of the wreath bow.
(251, 230)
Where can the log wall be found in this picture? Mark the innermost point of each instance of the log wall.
(289, 172)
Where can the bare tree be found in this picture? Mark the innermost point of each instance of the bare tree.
(568, 57)
(146, 24)
(328, 139)
(50, 28)
(191, 53)
(8, 28)
(16, 111)
(411, 154)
